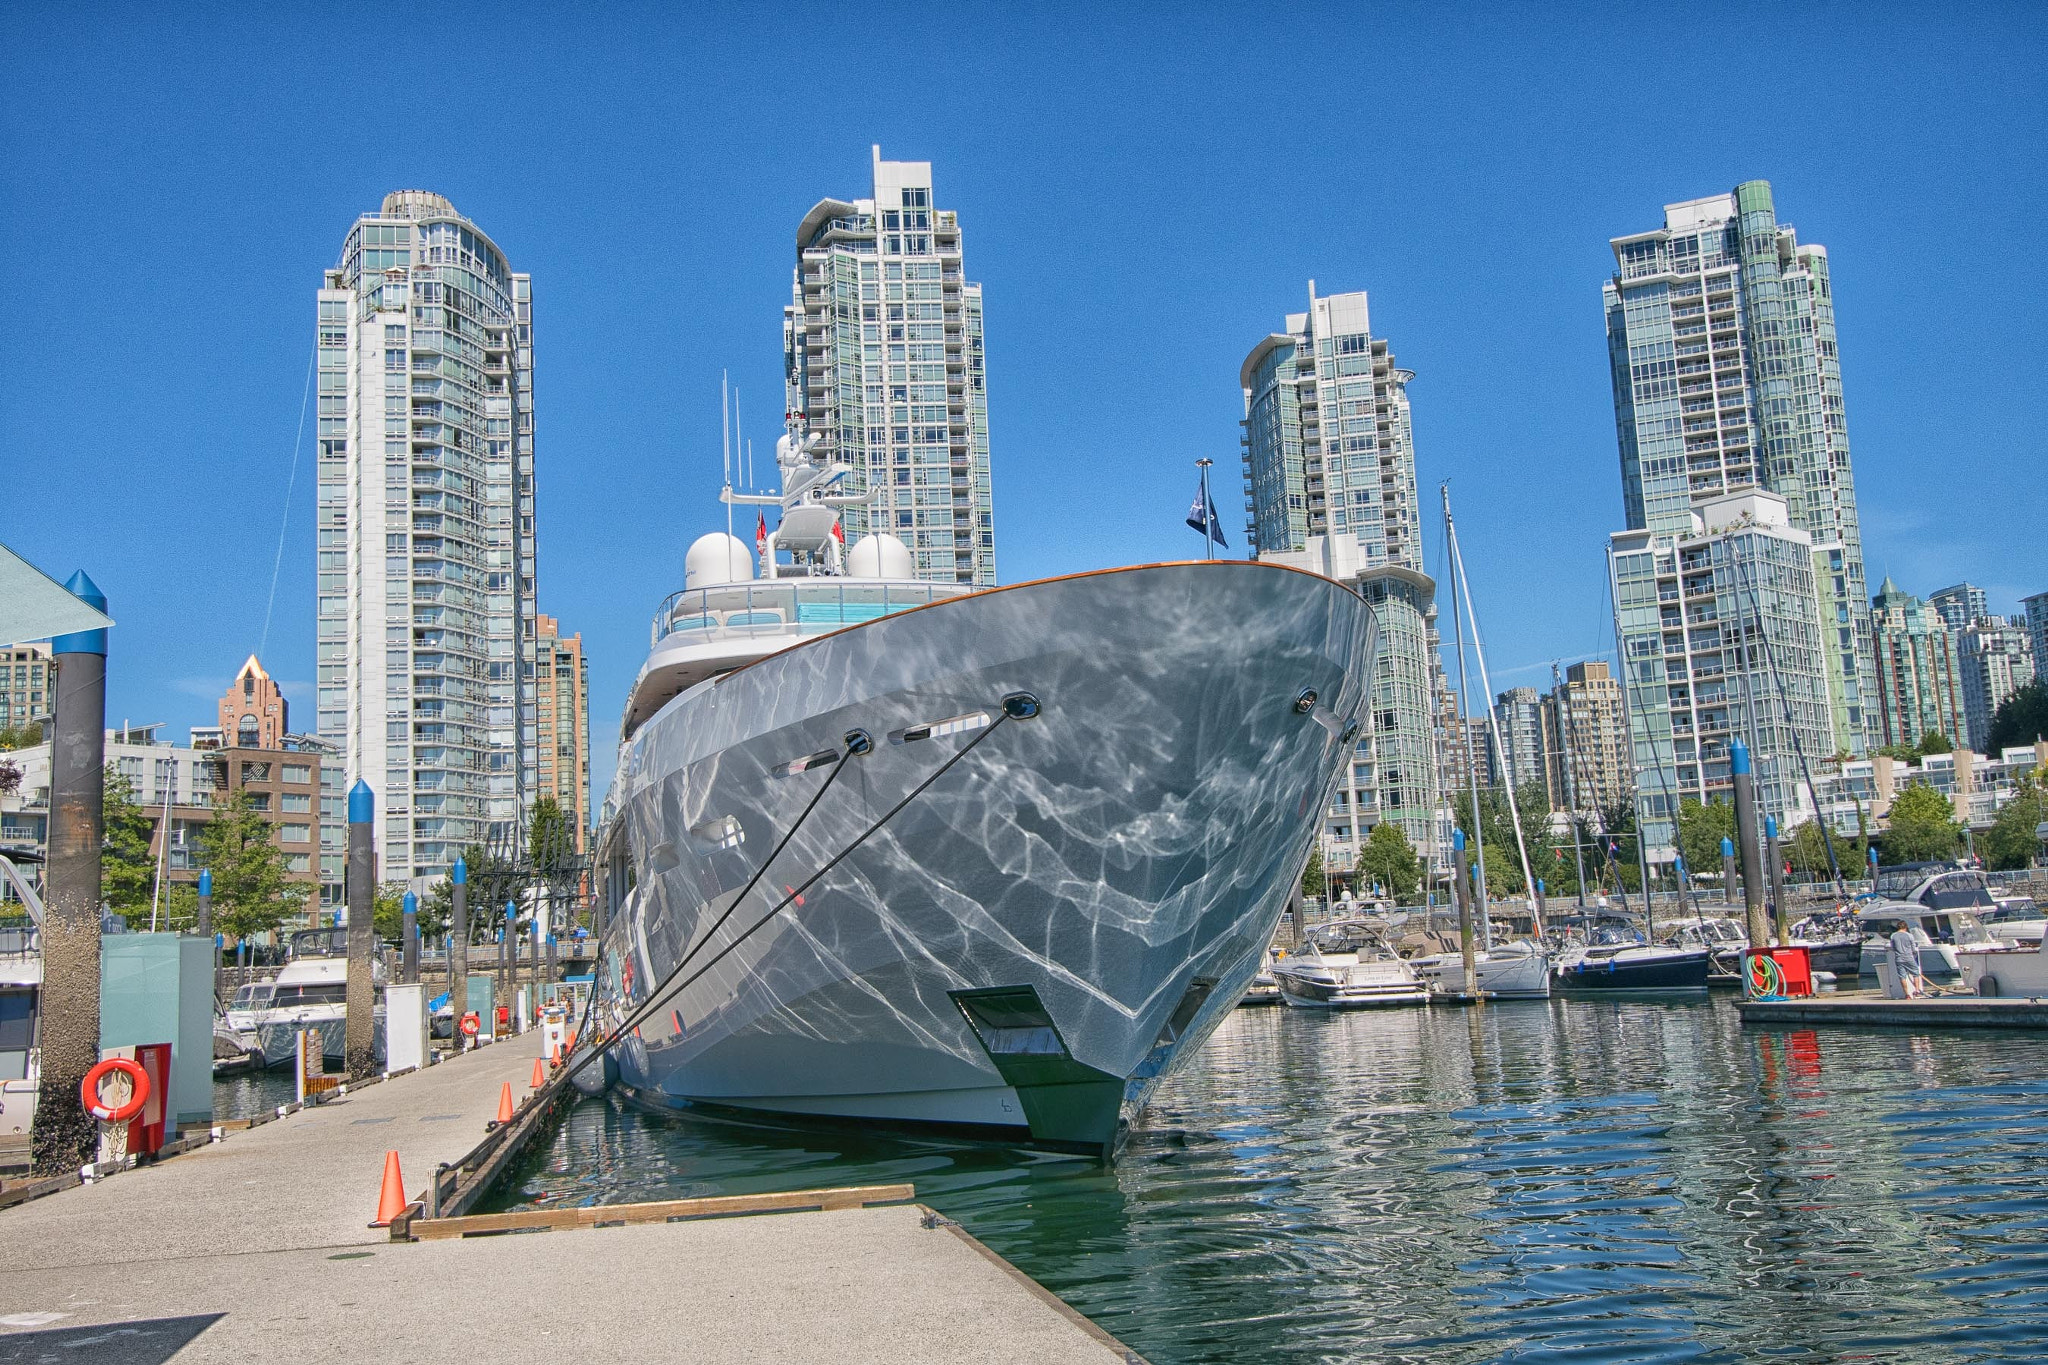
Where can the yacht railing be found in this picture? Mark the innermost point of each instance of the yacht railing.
(787, 607)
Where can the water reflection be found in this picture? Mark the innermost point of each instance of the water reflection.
(1593, 1180)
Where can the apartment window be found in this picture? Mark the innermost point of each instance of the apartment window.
(296, 802)
(298, 834)
(298, 772)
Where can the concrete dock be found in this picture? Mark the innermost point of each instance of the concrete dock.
(1870, 1009)
(259, 1248)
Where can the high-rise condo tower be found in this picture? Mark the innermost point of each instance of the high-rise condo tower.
(425, 527)
(1329, 470)
(1721, 342)
(882, 356)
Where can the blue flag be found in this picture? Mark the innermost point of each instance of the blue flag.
(1205, 519)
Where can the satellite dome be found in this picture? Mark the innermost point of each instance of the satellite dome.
(715, 559)
(879, 556)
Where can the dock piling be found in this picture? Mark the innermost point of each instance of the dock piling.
(360, 1047)
(64, 1137)
(1745, 833)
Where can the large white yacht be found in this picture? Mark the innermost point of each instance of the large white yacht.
(883, 849)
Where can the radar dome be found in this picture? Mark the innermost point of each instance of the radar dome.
(715, 559)
(879, 556)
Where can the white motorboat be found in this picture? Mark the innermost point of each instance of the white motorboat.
(21, 985)
(311, 992)
(882, 849)
(1939, 932)
(1514, 970)
(2004, 968)
(250, 999)
(2016, 919)
(1264, 990)
(1347, 966)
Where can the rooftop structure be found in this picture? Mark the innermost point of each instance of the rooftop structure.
(1960, 606)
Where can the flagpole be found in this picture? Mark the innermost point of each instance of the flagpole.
(1208, 520)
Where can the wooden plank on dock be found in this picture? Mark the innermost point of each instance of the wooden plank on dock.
(1876, 1011)
(661, 1211)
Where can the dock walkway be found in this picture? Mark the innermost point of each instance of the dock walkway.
(258, 1248)
(1874, 1010)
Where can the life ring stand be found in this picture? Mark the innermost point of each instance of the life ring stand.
(138, 1080)
(471, 1025)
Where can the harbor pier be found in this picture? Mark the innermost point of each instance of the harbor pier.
(260, 1247)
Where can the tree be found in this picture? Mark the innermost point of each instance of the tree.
(1923, 826)
(1900, 753)
(387, 914)
(1497, 834)
(550, 843)
(1701, 828)
(1807, 851)
(127, 869)
(1312, 875)
(2010, 842)
(22, 736)
(1389, 859)
(251, 893)
(10, 776)
(1935, 742)
(2021, 718)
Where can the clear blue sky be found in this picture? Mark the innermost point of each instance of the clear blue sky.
(1142, 197)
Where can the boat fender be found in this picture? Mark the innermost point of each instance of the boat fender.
(594, 1077)
(1987, 986)
(138, 1080)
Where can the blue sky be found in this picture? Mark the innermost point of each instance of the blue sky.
(1143, 196)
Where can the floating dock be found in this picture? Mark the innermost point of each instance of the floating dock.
(258, 1247)
(1874, 1010)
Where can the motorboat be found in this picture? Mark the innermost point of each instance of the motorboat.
(1615, 961)
(1264, 990)
(240, 1013)
(1723, 939)
(1348, 966)
(310, 992)
(1833, 941)
(2016, 969)
(1513, 970)
(882, 849)
(2016, 919)
(1940, 903)
(21, 987)
(1937, 932)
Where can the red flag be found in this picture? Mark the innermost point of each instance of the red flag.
(838, 534)
(761, 532)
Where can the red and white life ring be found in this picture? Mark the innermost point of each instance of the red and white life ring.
(89, 1090)
(471, 1025)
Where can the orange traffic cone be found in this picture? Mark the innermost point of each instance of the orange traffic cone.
(391, 1199)
(540, 1075)
(558, 1054)
(505, 1103)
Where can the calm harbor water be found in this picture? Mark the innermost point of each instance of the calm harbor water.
(1611, 1182)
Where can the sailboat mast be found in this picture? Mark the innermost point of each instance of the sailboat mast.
(1493, 725)
(1465, 716)
(1571, 776)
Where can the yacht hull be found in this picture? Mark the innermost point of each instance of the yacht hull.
(1038, 936)
(1662, 973)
